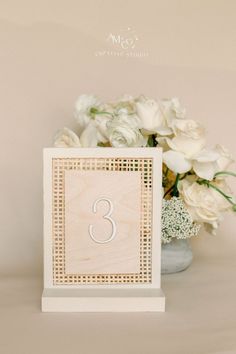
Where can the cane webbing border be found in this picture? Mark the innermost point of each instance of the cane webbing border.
(59, 165)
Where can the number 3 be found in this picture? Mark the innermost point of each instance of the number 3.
(107, 217)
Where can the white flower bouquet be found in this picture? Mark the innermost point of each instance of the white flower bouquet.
(195, 189)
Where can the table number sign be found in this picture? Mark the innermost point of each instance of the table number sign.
(102, 211)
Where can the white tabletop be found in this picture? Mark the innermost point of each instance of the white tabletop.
(200, 318)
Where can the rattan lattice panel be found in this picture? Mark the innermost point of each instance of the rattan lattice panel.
(59, 165)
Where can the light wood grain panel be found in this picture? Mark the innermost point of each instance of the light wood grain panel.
(82, 254)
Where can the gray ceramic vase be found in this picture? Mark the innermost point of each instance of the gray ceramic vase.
(176, 256)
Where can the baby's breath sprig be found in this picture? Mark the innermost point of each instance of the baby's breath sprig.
(177, 221)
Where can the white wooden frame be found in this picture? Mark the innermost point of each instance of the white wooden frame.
(85, 297)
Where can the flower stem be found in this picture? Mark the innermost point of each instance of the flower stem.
(227, 197)
(185, 175)
(229, 173)
(95, 111)
(168, 191)
(166, 171)
(104, 112)
(175, 192)
(174, 187)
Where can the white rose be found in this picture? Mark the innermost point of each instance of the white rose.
(82, 109)
(203, 163)
(123, 131)
(124, 105)
(205, 204)
(152, 119)
(187, 150)
(172, 109)
(101, 122)
(189, 137)
(225, 159)
(158, 117)
(188, 141)
(176, 161)
(66, 138)
(91, 136)
(208, 162)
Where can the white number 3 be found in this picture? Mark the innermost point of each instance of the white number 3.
(107, 217)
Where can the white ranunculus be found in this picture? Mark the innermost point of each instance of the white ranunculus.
(123, 131)
(82, 109)
(205, 204)
(66, 138)
(150, 115)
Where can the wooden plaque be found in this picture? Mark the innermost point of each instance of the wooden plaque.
(102, 229)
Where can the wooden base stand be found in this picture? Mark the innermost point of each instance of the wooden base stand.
(103, 300)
